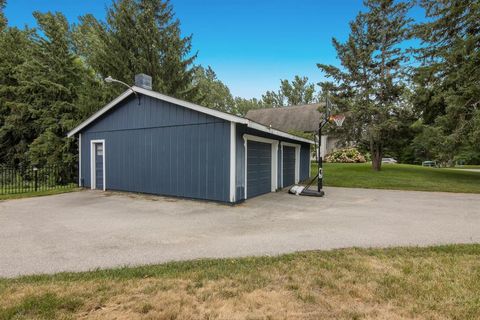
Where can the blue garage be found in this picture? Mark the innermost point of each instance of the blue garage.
(147, 142)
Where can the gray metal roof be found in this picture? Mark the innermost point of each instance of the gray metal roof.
(294, 118)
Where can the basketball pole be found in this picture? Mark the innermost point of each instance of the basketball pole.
(320, 159)
(319, 176)
(321, 124)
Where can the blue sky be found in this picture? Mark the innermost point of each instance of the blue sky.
(251, 44)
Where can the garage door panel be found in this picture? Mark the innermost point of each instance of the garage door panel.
(259, 168)
(288, 166)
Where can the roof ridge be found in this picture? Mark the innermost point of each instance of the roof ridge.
(212, 112)
(289, 107)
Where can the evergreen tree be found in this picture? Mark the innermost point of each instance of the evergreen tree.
(3, 19)
(139, 36)
(447, 81)
(44, 108)
(15, 117)
(370, 85)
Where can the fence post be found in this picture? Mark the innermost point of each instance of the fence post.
(35, 183)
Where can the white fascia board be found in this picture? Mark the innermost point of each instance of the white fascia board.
(100, 112)
(189, 105)
(192, 106)
(261, 127)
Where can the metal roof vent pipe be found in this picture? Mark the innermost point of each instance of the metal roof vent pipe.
(143, 81)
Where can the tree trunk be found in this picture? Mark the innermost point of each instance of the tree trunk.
(376, 151)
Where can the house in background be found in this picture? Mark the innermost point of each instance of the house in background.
(147, 142)
(304, 118)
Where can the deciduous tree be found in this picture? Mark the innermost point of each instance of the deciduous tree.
(297, 92)
(211, 92)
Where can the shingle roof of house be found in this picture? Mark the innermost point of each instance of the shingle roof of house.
(294, 118)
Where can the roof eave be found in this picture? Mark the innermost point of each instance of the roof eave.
(261, 127)
(215, 113)
(100, 112)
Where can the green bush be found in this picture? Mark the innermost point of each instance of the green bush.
(347, 155)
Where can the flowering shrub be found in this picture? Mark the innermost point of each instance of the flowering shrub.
(347, 155)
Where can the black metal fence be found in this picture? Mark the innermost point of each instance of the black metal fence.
(20, 180)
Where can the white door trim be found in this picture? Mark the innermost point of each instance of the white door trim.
(274, 143)
(92, 164)
(297, 160)
(233, 160)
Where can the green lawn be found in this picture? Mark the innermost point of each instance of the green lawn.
(39, 193)
(467, 166)
(400, 177)
(397, 283)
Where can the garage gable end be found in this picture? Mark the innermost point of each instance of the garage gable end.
(150, 113)
(158, 147)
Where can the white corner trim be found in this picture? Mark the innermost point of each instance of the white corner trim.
(274, 143)
(80, 160)
(274, 166)
(92, 164)
(281, 165)
(233, 160)
(245, 165)
(189, 105)
(297, 160)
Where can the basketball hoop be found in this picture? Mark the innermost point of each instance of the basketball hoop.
(338, 119)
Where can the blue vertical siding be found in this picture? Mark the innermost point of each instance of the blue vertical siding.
(160, 148)
(304, 161)
(240, 157)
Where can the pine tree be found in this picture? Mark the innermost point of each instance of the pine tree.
(370, 85)
(3, 19)
(139, 36)
(447, 81)
(48, 82)
(15, 117)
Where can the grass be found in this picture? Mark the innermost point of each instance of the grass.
(38, 193)
(399, 177)
(467, 166)
(440, 282)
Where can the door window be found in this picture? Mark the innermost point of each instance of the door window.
(99, 149)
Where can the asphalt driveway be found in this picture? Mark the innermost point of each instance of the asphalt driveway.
(86, 230)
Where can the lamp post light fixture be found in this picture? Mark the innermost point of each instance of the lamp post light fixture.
(109, 79)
